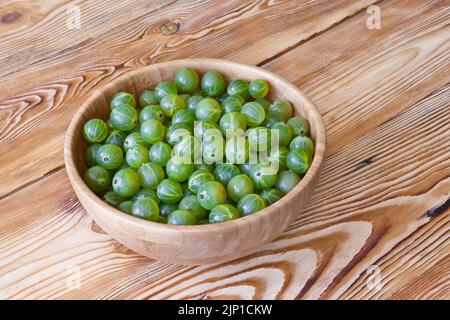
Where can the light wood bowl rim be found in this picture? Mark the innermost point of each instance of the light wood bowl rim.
(149, 226)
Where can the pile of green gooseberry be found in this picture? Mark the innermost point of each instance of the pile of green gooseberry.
(181, 153)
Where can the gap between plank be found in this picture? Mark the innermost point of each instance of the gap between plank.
(30, 183)
(314, 35)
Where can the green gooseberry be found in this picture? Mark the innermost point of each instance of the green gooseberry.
(152, 131)
(203, 129)
(254, 113)
(160, 153)
(181, 217)
(287, 180)
(271, 120)
(258, 88)
(193, 102)
(116, 137)
(109, 156)
(167, 208)
(263, 175)
(271, 195)
(246, 168)
(298, 161)
(278, 157)
(213, 149)
(232, 104)
(281, 109)
(239, 186)
(137, 156)
(299, 126)
(303, 143)
(146, 193)
(172, 103)
(231, 122)
(179, 169)
(198, 178)
(123, 98)
(90, 154)
(205, 166)
(163, 89)
(176, 132)
(126, 206)
(134, 139)
(185, 116)
(147, 98)
(113, 199)
(212, 83)
(208, 109)
(188, 148)
(264, 103)
(259, 139)
(187, 80)
(151, 174)
(191, 204)
(236, 150)
(146, 209)
(223, 212)
(225, 171)
(169, 191)
(251, 203)
(126, 182)
(98, 179)
(211, 194)
(95, 131)
(151, 112)
(238, 87)
(124, 117)
(284, 133)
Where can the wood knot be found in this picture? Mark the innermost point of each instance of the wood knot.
(11, 17)
(170, 28)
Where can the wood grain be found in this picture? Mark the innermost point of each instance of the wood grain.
(387, 69)
(318, 259)
(49, 97)
(382, 199)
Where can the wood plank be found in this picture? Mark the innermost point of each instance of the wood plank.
(45, 19)
(202, 26)
(360, 78)
(369, 208)
(416, 268)
(49, 95)
(323, 254)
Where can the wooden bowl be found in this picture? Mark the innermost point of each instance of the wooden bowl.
(201, 244)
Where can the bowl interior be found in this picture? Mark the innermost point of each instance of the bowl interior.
(136, 82)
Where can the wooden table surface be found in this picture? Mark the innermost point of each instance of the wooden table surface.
(376, 227)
